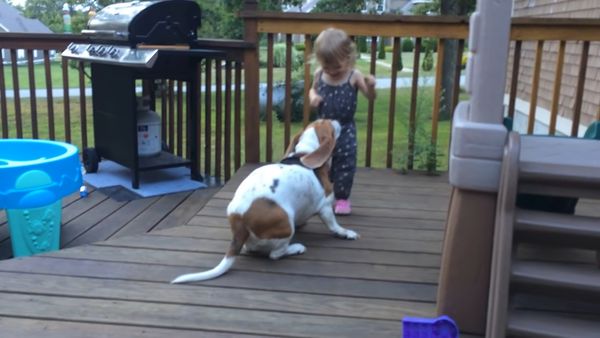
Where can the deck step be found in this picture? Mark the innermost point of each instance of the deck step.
(557, 229)
(559, 278)
(540, 324)
(549, 166)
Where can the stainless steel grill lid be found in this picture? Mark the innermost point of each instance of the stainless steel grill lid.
(163, 22)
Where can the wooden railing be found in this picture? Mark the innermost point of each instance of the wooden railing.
(63, 112)
(265, 27)
(396, 130)
(562, 51)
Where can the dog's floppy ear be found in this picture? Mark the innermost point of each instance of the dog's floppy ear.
(292, 146)
(326, 134)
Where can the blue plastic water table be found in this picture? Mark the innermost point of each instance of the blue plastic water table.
(34, 176)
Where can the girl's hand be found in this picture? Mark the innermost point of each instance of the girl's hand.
(315, 100)
(369, 87)
(370, 82)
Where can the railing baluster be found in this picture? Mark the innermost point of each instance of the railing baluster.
(414, 91)
(535, 85)
(32, 96)
(557, 82)
(218, 118)
(179, 123)
(82, 107)
(457, 71)
(288, 90)
(163, 110)
(371, 107)
(227, 123)
(269, 103)
(237, 131)
(197, 112)
(514, 79)
(3, 104)
(307, 79)
(585, 49)
(17, 95)
(392, 106)
(435, 114)
(66, 100)
(208, 116)
(49, 95)
(171, 119)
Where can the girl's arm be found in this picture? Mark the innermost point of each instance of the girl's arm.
(366, 84)
(314, 97)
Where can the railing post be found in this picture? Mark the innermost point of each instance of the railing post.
(251, 117)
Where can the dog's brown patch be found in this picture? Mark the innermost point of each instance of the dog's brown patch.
(240, 234)
(323, 176)
(265, 219)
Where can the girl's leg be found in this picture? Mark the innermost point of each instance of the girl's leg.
(343, 169)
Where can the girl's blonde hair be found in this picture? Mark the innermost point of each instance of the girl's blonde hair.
(334, 46)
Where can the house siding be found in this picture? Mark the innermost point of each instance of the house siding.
(591, 96)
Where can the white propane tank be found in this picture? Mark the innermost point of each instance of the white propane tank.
(148, 129)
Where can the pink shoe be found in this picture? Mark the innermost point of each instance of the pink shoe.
(342, 207)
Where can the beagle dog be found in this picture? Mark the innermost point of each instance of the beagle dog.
(274, 199)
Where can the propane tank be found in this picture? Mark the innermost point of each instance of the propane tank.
(148, 129)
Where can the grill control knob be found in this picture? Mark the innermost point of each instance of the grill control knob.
(113, 52)
(74, 49)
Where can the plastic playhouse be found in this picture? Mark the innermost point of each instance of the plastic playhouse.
(440, 327)
(36, 175)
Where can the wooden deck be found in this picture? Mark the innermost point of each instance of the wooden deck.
(338, 288)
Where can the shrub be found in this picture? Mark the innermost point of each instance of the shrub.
(408, 45)
(389, 49)
(427, 64)
(362, 44)
(425, 155)
(299, 47)
(297, 112)
(279, 56)
(400, 64)
(381, 53)
(430, 44)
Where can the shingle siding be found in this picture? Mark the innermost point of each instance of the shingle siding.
(591, 97)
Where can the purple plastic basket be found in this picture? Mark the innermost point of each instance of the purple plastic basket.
(440, 327)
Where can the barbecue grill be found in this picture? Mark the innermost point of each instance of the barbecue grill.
(139, 40)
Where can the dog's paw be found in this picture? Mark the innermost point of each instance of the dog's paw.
(348, 234)
(295, 249)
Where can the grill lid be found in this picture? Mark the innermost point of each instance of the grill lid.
(163, 22)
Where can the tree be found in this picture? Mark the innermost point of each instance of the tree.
(343, 6)
(427, 63)
(381, 50)
(437, 7)
(49, 12)
(219, 18)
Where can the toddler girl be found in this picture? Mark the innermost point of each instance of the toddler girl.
(334, 93)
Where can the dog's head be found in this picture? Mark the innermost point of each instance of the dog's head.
(315, 143)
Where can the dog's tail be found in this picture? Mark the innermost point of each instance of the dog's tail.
(240, 235)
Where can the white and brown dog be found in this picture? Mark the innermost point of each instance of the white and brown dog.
(274, 199)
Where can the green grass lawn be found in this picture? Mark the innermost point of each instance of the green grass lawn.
(40, 76)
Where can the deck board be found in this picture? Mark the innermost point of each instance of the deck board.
(121, 256)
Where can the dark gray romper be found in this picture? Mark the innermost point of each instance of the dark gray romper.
(339, 103)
